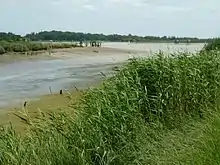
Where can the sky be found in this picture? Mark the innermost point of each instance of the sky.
(193, 18)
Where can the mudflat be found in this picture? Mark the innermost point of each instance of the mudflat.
(60, 53)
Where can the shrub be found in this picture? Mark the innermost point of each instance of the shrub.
(2, 50)
(6, 45)
(19, 47)
(214, 45)
(37, 46)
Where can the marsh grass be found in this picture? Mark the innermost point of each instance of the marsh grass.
(158, 110)
(21, 46)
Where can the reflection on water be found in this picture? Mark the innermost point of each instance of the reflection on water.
(26, 79)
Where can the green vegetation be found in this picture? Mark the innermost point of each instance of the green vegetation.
(10, 37)
(2, 50)
(10, 42)
(22, 46)
(160, 110)
(72, 36)
(213, 45)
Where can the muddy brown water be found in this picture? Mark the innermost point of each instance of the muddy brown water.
(29, 79)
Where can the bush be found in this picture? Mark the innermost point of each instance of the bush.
(2, 50)
(6, 45)
(214, 45)
(37, 46)
(19, 47)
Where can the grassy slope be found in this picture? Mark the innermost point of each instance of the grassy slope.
(155, 111)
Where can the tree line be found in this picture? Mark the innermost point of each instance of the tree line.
(78, 36)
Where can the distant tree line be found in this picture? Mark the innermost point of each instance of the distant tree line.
(73, 36)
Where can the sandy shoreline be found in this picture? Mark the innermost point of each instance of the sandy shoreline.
(62, 53)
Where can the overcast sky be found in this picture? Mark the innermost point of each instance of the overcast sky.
(141, 17)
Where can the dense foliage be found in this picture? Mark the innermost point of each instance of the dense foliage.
(135, 117)
(73, 36)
